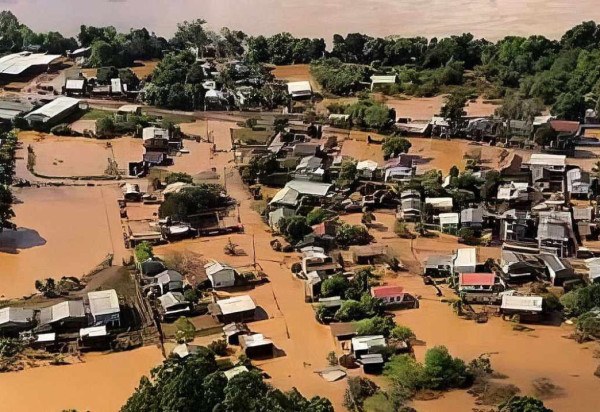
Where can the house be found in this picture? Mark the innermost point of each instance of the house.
(151, 268)
(75, 86)
(184, 350)
(578, 183)
(233, 331)
(169, 281)
(221, 275)
(476, 283)
(276, 215)
(104, 308)
(379, 80)
(515, 192)
(438, 265)
(471, 218)
(371, 363)
(343, 330)
(555, 233)
(527, 307)
(94, 337)
(173, 304)
(13, 320)
(558, 270)
(410, 209)
(26, 64)
(399, 174)
(235, 309)
(439, 204)
(53, 113)
(256, 346)
(547, 172)
(316, 261)
(310, 168)
(302, 149)
(449, 222)
(299, 90)
(64, 315)
(11, 109)
(369, 254)
(155, 139)
(366, 169)
(465, 260)
(294, 190)
(363, 345)
(394, 296)
(518, 267)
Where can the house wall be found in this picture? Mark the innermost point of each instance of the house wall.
(223, 279)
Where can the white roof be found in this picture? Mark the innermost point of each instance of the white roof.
(15, 315)
(542, 159)
(290, 195)
(71, 308)
(129, 108)
(104, 302)
(529, 303)
(75, 84)
(93, 331)
(17, 63)
(367, 165)
(258, 339)
(449, 219)
(215, 267)
(309, 188)
(46, 337)
(383, 79)
(235, 371)
(115, 85)
(439, 201)
(367, 342)
(539, 120)
(236, 304)
(152, 132)
(55, 107)
(299, 88)
(466, 257)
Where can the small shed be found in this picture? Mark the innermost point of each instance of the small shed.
(438, 265)
(235, 309)
(369, 254)
(343, 330)
(68, 314)
(220, 275)
(449, 222)
(372, 363)
(465, 260)
(13, 320)
(173, 304)
(298, 90)
(169, 281)
(233, 331)
(104, 308)
(362, 345)
(235, 371)
(524, 306)
(256, 346)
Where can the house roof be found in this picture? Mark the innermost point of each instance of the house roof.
(286, 196)
(299, 88)
(63, 310)
(343, 328)
(386, 79)
(55, 107)
(103, 302)
(466, 257)
(583, 213)
(553, 262)
(449, 219)
(169, 276)
(236, 304)
(542, 159)
(235, 328)
(564, 126)
(17, 63)
(439, 201)
(75, 84)
(171, 299)
(476, 279)
(368, 250)
(154, 132)
(471, 215)
(439, 260)
(215, 267)
(11, 109)
(253, 341)
(367, 342)
(526, 303)
(93, 332)
(367, 165)
(15, 315)
(235, 371)
(386, 291)
(309, 188)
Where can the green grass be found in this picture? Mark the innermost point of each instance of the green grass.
(95, 114)
(249, 136)
(378, 403)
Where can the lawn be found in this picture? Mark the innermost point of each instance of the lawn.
(249, 136)
(95, 114)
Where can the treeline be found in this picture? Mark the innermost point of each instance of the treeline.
(8, 147)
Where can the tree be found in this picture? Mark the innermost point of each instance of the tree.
(544, 135)
(294, 228)
(193, 200)
(358, 390)
(454, 109)
(514, 107)
(348, 235)
(347, 172)
(349, 311)
(179, 177)
(334, 286)
(192, 33)
(581, 300)
(393, 146)
(317, 215)
(569, 106)
(523, 404)
(186, 331)
(442, 371)
(375, 326)
(403, 333)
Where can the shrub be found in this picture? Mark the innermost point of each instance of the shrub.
(375, 326)
(442, 371)
(294, 228)
(10, 347)
(218, 347)
(358, 390)
(191, 295)
(523, 404)
(402, 333)
(394, 145)
(186, 331)
(178, 177)
(143, 251)
(317, 215)
(334, 286)
(348, 235)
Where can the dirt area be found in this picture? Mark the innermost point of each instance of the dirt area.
(423, 108)
(83, 125)
(144, 68)
(296, 73)
(63, 231)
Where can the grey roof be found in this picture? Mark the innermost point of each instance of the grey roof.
(55, 107)
(309, 188)
(553, 262)
(11, 109)
(169, 276)
(555, 225)
(152, 267)
(63, 310)
(582, 213)
(411, 204)
(171, 299)
(15, 315)
(439, 260)
(215, 267)
(17, 63)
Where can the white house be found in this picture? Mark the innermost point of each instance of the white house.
(465, 260)
(299, 89)
(220, 275)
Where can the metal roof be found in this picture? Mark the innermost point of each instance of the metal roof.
(63, 310)
(367, 342)
(75, 84)
(542, 159)
(476, 279)
(15, 315)
(386, 79)
(171, 299)
(302, 88)
(17, 63)
(439, 201)
(236, 304)
(466, 257)
(252, 341)
(235, 371)
(386, 291)
(448, 219)
(215, 267)
(169, 276)
(55, 107)
(309, 188)
(104, 302)
(528, 303)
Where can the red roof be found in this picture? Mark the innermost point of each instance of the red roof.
(476, 279)
(386, 291)
(564, 126)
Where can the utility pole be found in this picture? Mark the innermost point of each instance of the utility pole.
(254, 251)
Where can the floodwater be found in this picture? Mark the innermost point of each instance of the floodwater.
(492, 19)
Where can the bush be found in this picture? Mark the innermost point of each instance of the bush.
(10, 347)
(523, 404)
(218, 347)
(393, 146)
(317, 215)
(186, 331)
(582, 300)
(294, 228)
(358, 390)
(334, 286)
(403, 333)
(191, 295)
(588, 325)
(194, 200)
(143, 251)
(442, 371)
(62, 130)
(348, 235)
(179, 177)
